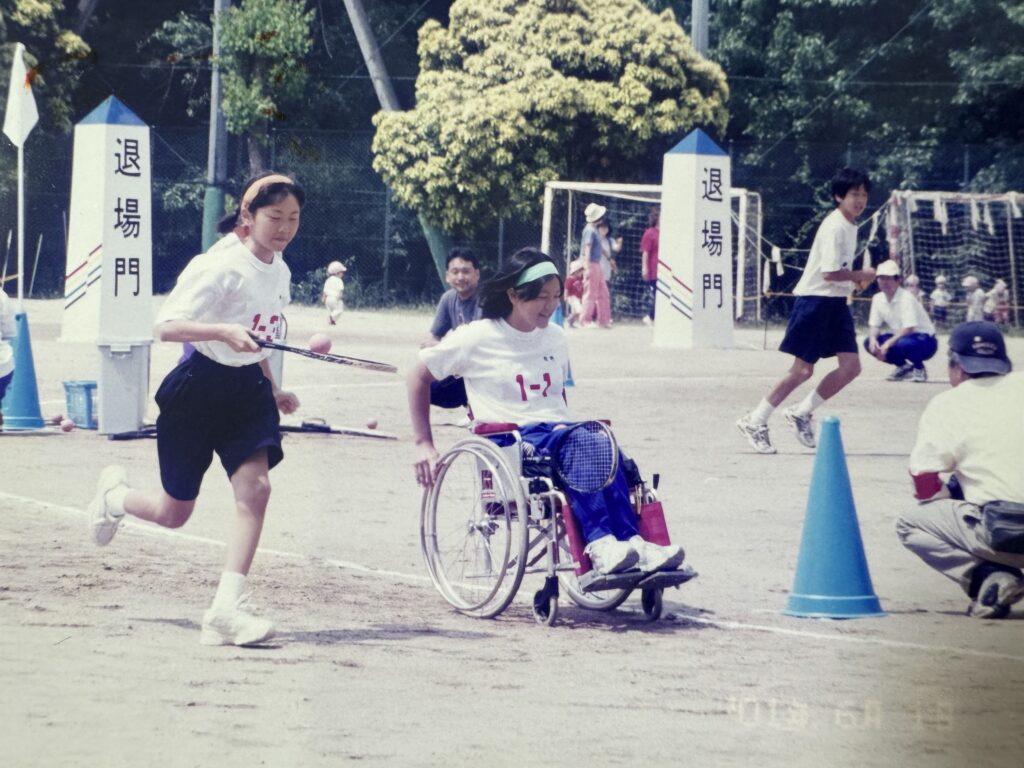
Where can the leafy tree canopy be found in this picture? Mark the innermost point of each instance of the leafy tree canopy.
(514, 93)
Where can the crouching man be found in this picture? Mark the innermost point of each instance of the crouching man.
(970, 528)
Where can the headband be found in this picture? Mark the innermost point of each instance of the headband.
(257, 186)
(540, 269)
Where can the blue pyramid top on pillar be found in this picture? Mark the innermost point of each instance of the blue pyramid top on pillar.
(21, 403)
(111, 112)
(697, 142)
(832, 579)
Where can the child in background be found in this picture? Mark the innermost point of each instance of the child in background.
(974, 298)
(8, 330)
(912, 285)
(997, 303)
(940, 297)
(574, 293)
(334, 290)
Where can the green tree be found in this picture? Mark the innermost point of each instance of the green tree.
(264, 44)
(56, 53)
(514, 93)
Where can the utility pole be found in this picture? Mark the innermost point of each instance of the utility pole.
(435, 238)
(216, 154)
(699, 26)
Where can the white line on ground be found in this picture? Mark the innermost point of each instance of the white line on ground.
(723, 624)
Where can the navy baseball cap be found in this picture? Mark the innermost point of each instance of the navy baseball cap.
(980, 348)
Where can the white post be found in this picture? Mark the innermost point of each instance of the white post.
(108, 289)
(695, 293)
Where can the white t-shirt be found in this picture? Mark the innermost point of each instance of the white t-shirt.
(8, 330)
(977, 429)
(334, 286)
(228, 284)
(941, 297)
(510, 376)
(834, 247)
(904, 311)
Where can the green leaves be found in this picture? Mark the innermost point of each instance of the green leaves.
(514, 94)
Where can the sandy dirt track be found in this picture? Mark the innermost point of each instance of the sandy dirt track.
(100, 663)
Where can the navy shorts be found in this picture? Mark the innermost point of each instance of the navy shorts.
(208, 408)
(4, 383)
(819, 326)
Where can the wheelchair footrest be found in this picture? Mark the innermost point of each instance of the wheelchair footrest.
(666, 579)
(592, 581)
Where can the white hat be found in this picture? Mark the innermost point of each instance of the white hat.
(575, 264)
(970, 282)
(594, 212)
(888, 268)
(336, 268)
(940, 279)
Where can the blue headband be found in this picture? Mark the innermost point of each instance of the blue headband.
(541, 269)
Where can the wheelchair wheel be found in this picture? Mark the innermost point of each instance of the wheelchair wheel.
(545, 603)
(650, 600)
(473, 529)
(607, 600)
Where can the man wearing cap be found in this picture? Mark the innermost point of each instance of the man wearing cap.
(912, 340)
(975, 433)
(596, 300)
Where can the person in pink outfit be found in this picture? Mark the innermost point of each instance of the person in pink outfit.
(596, 299)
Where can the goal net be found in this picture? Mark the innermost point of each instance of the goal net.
(629, 207)
(959, 234)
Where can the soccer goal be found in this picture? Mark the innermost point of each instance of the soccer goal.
(957, 234)
(629, 206)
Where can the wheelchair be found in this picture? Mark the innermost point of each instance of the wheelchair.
(494, 515)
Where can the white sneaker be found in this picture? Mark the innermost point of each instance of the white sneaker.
(609, 555)
(756, 434)
(234, 625)
(997, 593)
(920, 375)
(803, 425)
(103, 520)
(657, 557)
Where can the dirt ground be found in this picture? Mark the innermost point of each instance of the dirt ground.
(100, 662)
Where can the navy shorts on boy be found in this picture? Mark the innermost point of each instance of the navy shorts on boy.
(207, 408)
(820, 326)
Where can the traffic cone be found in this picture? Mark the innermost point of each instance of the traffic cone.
(832, 579)
(21, 403)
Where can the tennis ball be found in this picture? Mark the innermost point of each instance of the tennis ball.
(319, 342)
(371, 424)
(67, 425)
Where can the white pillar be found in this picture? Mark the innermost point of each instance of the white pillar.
(695, 291)
(108, 284)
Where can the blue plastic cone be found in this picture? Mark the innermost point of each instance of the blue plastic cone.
(21, 403)
(832, 579)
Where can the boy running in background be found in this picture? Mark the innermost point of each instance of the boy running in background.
(821, 324)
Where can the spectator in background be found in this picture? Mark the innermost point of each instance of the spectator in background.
(574, 293)
(940, 298)
(997, 303)
(334, 291)
(974, 298)
(596, 300)
(912, 285)
(912, 337)
(649, 260)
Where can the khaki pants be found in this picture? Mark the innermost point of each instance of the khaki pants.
(945, 535)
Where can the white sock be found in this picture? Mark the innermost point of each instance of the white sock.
(115, 500)
(809, 403)
(231, 587)
(762, 412)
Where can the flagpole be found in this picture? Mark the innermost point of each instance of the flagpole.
(21, 227)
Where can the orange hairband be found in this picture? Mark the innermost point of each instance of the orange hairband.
(257, 186)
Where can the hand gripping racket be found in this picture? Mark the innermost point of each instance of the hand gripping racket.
(355, 362)
(586, 457)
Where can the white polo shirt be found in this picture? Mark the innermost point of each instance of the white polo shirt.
(904, 311)
(976, 429)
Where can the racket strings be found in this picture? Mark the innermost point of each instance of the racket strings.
(586, 456)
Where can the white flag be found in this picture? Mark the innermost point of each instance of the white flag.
(21, 115)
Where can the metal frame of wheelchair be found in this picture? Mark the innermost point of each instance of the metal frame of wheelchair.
(485, 524)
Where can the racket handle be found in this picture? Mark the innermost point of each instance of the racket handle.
(655, 479)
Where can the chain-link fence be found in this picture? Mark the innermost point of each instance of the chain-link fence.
(349, 216)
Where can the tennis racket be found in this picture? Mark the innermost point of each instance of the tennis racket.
(585, 457)
(327, 357)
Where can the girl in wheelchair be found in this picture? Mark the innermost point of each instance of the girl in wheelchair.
(514, 363)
